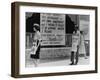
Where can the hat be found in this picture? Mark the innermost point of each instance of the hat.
(35, 24)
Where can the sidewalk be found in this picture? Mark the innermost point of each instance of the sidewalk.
(56, 62)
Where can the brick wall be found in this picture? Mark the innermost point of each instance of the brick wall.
(54, 52)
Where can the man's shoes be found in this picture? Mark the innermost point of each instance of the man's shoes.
(71, 63)
(75, 64)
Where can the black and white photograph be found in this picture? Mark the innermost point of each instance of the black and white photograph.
(51, 39)
(57, 39)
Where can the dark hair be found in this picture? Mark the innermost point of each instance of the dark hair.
(36, 26)
(81, 32)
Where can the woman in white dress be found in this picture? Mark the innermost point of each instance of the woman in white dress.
(82, 49)
(35, 54)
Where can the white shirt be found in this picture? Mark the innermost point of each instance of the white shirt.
(75, 41)
(37, 36)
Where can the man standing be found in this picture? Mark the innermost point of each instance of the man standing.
(75, 46)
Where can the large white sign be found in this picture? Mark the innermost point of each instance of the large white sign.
(52, 28)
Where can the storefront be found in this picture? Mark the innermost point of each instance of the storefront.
(56, 33)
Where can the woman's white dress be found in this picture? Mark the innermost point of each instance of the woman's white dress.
(82, 45)
(37, 36)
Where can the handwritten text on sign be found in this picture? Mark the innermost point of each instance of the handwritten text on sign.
(52, 28)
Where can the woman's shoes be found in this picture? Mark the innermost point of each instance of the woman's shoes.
(34, 60)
